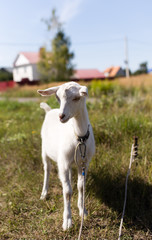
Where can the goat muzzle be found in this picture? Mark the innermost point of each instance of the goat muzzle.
(61, 116)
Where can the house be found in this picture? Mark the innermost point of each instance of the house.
(113, 72)
(87, 75)
(25, 67)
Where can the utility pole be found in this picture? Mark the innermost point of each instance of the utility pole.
(126, 56)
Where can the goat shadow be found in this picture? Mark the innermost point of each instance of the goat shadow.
(111, 190)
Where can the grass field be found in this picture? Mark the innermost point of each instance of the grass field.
(120, 112)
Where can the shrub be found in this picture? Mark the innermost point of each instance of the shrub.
(98, 87)
(5, 76)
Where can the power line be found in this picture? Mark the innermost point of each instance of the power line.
(98, 42)
(15, 44)
(75, 43)
(102, 41)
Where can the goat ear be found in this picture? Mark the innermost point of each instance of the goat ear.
(83, 91)
(48, 91)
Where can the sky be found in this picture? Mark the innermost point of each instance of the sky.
(97, 30)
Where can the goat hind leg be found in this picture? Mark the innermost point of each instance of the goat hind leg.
(47, 168)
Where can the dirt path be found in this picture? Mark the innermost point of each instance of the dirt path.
(34, 99)
(24, 99)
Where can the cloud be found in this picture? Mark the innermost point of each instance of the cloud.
(70, 9)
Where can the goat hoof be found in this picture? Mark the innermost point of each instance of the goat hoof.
(43, 197)
(67, 224)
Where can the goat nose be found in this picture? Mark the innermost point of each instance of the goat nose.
(61, 115)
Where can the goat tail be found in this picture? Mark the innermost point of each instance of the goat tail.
(45, 106)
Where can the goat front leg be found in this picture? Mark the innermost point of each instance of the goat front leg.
(47, 168)
(67, 192)
(80, 191)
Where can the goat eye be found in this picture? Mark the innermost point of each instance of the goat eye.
(76, 99)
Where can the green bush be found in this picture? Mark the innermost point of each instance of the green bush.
(98, 88)
(5, 76)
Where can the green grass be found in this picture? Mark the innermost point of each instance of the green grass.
(116, 116)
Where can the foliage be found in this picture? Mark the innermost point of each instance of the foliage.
(56, 65)
(53, 22)
(102, 89)
(98, 87)
(44, 65)
(5, 75)
(142, 69)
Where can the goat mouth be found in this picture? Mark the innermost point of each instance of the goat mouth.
(64, 120)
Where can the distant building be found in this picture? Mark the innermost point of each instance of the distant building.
(25, 67)
(87, 75)
(150, 71)
(113, 72)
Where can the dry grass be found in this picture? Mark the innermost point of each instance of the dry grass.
(143, 81)
(136, 81)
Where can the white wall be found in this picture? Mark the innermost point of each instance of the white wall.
(36, 74)
(25, 71)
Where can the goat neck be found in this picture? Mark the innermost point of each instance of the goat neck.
(81, 122)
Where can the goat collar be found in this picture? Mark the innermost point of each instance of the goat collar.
(83, 139)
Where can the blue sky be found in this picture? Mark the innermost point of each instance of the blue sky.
(97, 29)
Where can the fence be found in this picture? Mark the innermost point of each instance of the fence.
(5, 85)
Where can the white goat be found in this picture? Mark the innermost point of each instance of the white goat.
(59, 140)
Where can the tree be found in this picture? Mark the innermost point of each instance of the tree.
(142, 69)
(53, 22)
(56, 65)
(5, 75)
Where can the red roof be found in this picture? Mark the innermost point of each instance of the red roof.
(88, 74)
(112, 71)
(33, 57)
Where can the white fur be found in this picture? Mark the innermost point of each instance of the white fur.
(59, 140)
